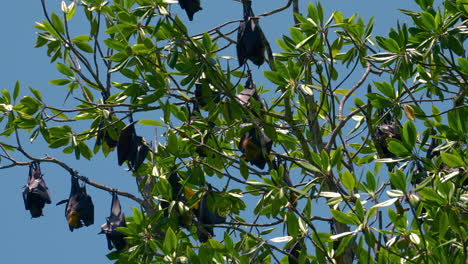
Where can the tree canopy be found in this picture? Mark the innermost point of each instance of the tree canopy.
(368, 130)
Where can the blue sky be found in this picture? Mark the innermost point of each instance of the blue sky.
(47, 239)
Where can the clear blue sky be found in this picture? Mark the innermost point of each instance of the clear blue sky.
(47, 239)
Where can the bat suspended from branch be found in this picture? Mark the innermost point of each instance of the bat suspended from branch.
(79, 210)
(201, 210)
(190, 7)
(116, 219)
(250, 38)
(35, 193)
(249, 92)
(131, 148)
(104, 136)
(389, 128)
(256, 147)
(207, 217)
(254, 144)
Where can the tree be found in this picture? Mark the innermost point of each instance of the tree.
(390, 166)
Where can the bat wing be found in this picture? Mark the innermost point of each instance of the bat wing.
(41, 191)
(240, 47)
(245, 96)
(125, 145)
(139, 154)
(86, 207)
(190, 7)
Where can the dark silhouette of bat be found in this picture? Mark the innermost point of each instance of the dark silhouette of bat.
(207, 217)
(103, 135)
(256, 147)
(250, 38)
(116, 219)
(79, 210)
(35, 193)
(389, 128)
(295, 251)
(204, 215)
(131, 148)
(249, 92)
(190, 7)
(204, 94)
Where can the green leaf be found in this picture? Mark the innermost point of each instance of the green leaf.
(428, 21)
(463, 62)
(58, 24)
(293, 224)
(115, 44)
(85, 150)
(172, 144)
(347, 178)
(309, 166)
(150, 122)
(16, 90)
(64, 69)
(81, 38)
(398, 180)
(36, 93)
(207, 41)
(343, 218)
(453, 161)
(137, 215)
(84, 47)
(409, 134)
(170, 241)
(386, 89)
(59, 142)
(59, 82)
(429, 194)
(396, 147)
(275, 78)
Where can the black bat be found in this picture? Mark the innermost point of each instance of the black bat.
(295, 251)
(190, 7)
(207, 217)
(250, 38)
(131, 148)
(389, 128)
(103, 136)
(249, 92)
(35, 194)
(116, 219)
(204, 94)
(79, 210)
(256, 147)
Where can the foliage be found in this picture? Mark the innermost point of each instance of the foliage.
(373, 127)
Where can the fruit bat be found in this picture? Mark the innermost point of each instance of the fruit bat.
(207, 217)
(249, 92)
(389, 128)
(35, 194)
(190, 7)
(79, 210)
(103, 136)
(250, 38)
(256, 147)
(116, 219)
(131, 148)
(294, 251)
(179, 194)
(194, 113)
(204, 94)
